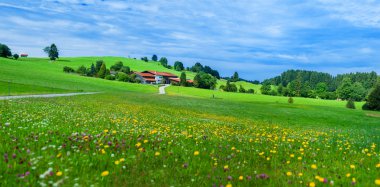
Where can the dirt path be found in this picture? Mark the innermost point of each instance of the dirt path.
(162, 89)
(45, 95)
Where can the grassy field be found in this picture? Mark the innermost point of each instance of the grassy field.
(153, 140)
(128, 135)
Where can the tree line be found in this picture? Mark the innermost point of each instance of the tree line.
(312, 84)
(99, 70)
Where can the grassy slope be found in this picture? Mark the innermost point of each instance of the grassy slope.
(42, 73)
(47, 70)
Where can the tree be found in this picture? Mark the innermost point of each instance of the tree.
(345, 89)
(103, 71)
(15, 56)
(373, 101)
(235, 77)
(265, 89)
(358, 92)
(117, 66)
(5, 51)
(164, 61)
(99, 64)
(91, 71)
(183, 81)
(126, 69)
(178, 66)
(144, 59)
(154, 58)
(204, 80)
(321, 90)
(52, 52)
(198, 67)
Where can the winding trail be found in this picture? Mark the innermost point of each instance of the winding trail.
(46, 95)
(162, 89)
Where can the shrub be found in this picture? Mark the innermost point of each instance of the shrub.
(251, 91)
(122, 77)
(82, 70)
(68, 69)
(350, 104)
(273, 92)
(126, 69)
(242, 89)
(373, 101)
(109, 77)
(15, 56)
(222, 87)
(290, 100)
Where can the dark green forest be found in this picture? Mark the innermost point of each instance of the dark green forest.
(313, 84)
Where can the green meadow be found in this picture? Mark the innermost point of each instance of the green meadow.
(129, 135)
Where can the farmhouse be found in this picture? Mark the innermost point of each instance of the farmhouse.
(23, 55)
(155, 77)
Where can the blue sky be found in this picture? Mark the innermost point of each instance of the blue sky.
(259, 39)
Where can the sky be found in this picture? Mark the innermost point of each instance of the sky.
(257, 38)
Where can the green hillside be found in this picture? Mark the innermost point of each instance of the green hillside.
(40, 75)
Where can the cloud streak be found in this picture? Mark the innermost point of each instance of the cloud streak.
(257, 38)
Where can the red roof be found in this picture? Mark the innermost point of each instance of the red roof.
(165, 74)
(178, 80)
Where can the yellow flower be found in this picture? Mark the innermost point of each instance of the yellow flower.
(229, 185)
(138, 144)
(196, 153)
(352, 166)
(117, 162)
(289, 173)
(157, 154)
(299, 158)
(103, 151)
(311, 184)
(59, 155)
(378, 165)
(233, 148)
(59, 173)
(321, 179)
(241, 178)
(262, 153)
(225, 167)
(348, 174)
(291, 155)
(300, 174)
(288, 162)
(313, 166)
(353, 180)
(105, 131)
(121, 160)
(146, 141)
(105, 173)
(268, 158)
(114, 132)
(377, 182)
